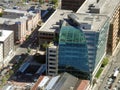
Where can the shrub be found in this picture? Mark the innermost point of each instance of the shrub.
(105, 62)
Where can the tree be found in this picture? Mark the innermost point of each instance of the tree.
(45, 45)
(28, 50)
(105, 62)
(56, 39)
(54, 1)
(1, 14)
(40, 1)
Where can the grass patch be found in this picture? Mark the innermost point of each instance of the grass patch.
(99, 72)
(105, 62)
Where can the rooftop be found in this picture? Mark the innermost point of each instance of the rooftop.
(5, 34)
(10, 21)
(15, 11)
(59, 82)
(89, 22)
(18, 14)
(53, 23)
(83, 85)
(66, 82)
(105, 7)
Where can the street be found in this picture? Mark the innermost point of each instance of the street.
(103, 81)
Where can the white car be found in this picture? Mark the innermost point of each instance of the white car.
(119, 81)
(106, 88)
(114, 88)
(109, 82)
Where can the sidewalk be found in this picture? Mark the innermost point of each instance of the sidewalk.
(106, 69)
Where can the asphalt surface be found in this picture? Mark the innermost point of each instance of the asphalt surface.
(102, 82)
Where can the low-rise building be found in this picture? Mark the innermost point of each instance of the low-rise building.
(63, 81)
(52, 26)
(21, 22)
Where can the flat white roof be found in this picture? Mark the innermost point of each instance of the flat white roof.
(52, 23)
(15, 11)
(5, 34)
(90, 22)
(107, 7)
(44, 81)
(52, 83)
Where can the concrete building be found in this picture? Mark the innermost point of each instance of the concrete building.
(52, 26)
(82, 44)
(21, 22)
(111, 8)
(52, 60)
(6, 47)
(71, 4)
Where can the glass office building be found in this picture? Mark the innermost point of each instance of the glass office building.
(81, 49)
(73, 53)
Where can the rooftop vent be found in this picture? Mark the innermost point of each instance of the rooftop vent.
(94, 10)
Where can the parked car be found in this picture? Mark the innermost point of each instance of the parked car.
(110, 80)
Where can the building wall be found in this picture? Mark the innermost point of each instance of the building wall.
(101, 47)
(71, 4)
(92, 41)
(6, 50)
(35, 20)
(8, 46)
(52, 60)
(46, 37)
(22, 31)
(114, 30)
(1, 54)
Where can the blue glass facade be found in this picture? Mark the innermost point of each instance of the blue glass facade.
(81, 50)
(73, 53)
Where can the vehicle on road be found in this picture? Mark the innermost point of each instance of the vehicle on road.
(116, 73)
(110, 80)
(108, 83)
(106, 88)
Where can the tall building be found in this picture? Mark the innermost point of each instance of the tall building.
(82, 45)
(52, 60)
(71, 4)
(6, 47)
(111, 8)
